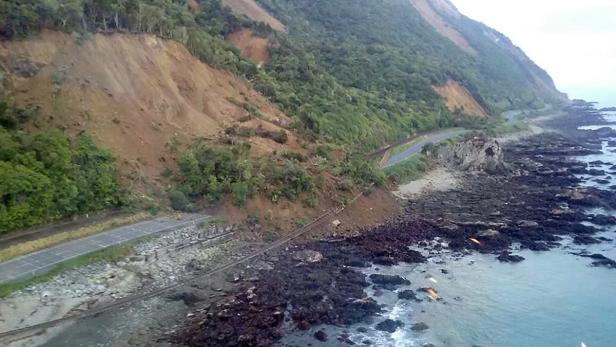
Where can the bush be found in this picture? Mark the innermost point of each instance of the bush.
(408, 170)
(179, 201)
(240, 193)
(363, 172)
(279, 136)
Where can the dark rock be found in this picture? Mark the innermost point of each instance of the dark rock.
(389, 282)
(407, 295)
(585, 240)
(507, 257)
(601, 219)
(362, 330)
(538, 246)
(320, 335)
(389, 325)
(421, 326)
(344, 338)
(595, 172)
(189, 297)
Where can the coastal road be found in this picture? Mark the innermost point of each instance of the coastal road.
(416, 148)
(44, 260)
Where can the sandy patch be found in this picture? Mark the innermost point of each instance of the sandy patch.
(438, 179)
(253, 47)
(459, 99)
(255, 12)
(441, 25)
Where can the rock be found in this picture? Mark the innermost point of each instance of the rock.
(538, 246)
(528, 224)
(233, 277)
(320, 335)
(389, 282)
(585, 240)
(421, 326)
(345, 339)
(362, 330)
(189, 297)
(308, 256)
(475, 154)
(507, 257)
(488, 233)
(336, 223)
(389, 325)
(601, 219)
(407, 295)
(595, 172)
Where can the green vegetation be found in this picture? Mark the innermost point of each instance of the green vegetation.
(408, 170)
(214, 171)
(106, 255)
(352, 72)
(354, 75)
(45, 177)
(403, 147)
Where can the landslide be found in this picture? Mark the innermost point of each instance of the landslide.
(459, 100)
(140, 96)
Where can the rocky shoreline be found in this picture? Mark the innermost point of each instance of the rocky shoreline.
(536, 201)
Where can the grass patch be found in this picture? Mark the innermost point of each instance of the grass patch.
(107, 254)
(219, 219)
(506, 128)
(404, 147)
(45, 242)
(409, 170)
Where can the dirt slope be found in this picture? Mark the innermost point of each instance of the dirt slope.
(251, 46)
(255, 12)
(138, 95)
(431, 16)
(458, 98)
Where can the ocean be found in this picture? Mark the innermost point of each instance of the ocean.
(552, 298)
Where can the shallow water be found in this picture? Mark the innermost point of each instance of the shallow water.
(552, 298)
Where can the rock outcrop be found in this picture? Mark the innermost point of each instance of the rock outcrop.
(476, 154)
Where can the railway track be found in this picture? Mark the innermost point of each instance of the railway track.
(159, 291)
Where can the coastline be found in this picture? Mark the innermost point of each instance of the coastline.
(485, 214)
(314, 290)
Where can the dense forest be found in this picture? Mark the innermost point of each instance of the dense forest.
(45, 176)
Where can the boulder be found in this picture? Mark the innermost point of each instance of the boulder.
(389, 325)
(388, 282)
(507, 257)
(320, 335)
(476, 154)
(308, 256)
(421, 326)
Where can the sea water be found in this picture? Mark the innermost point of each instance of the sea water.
(553, 298)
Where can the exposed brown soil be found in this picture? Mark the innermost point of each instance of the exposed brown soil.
(440, 24)
(253, 47)
(193, 5)
(137, 95)
(459, 99)
(255, 12)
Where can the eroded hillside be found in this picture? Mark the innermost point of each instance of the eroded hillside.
(139, 95)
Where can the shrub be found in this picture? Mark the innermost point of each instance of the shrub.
(363, 172)
(279, 136)
(179, 201)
